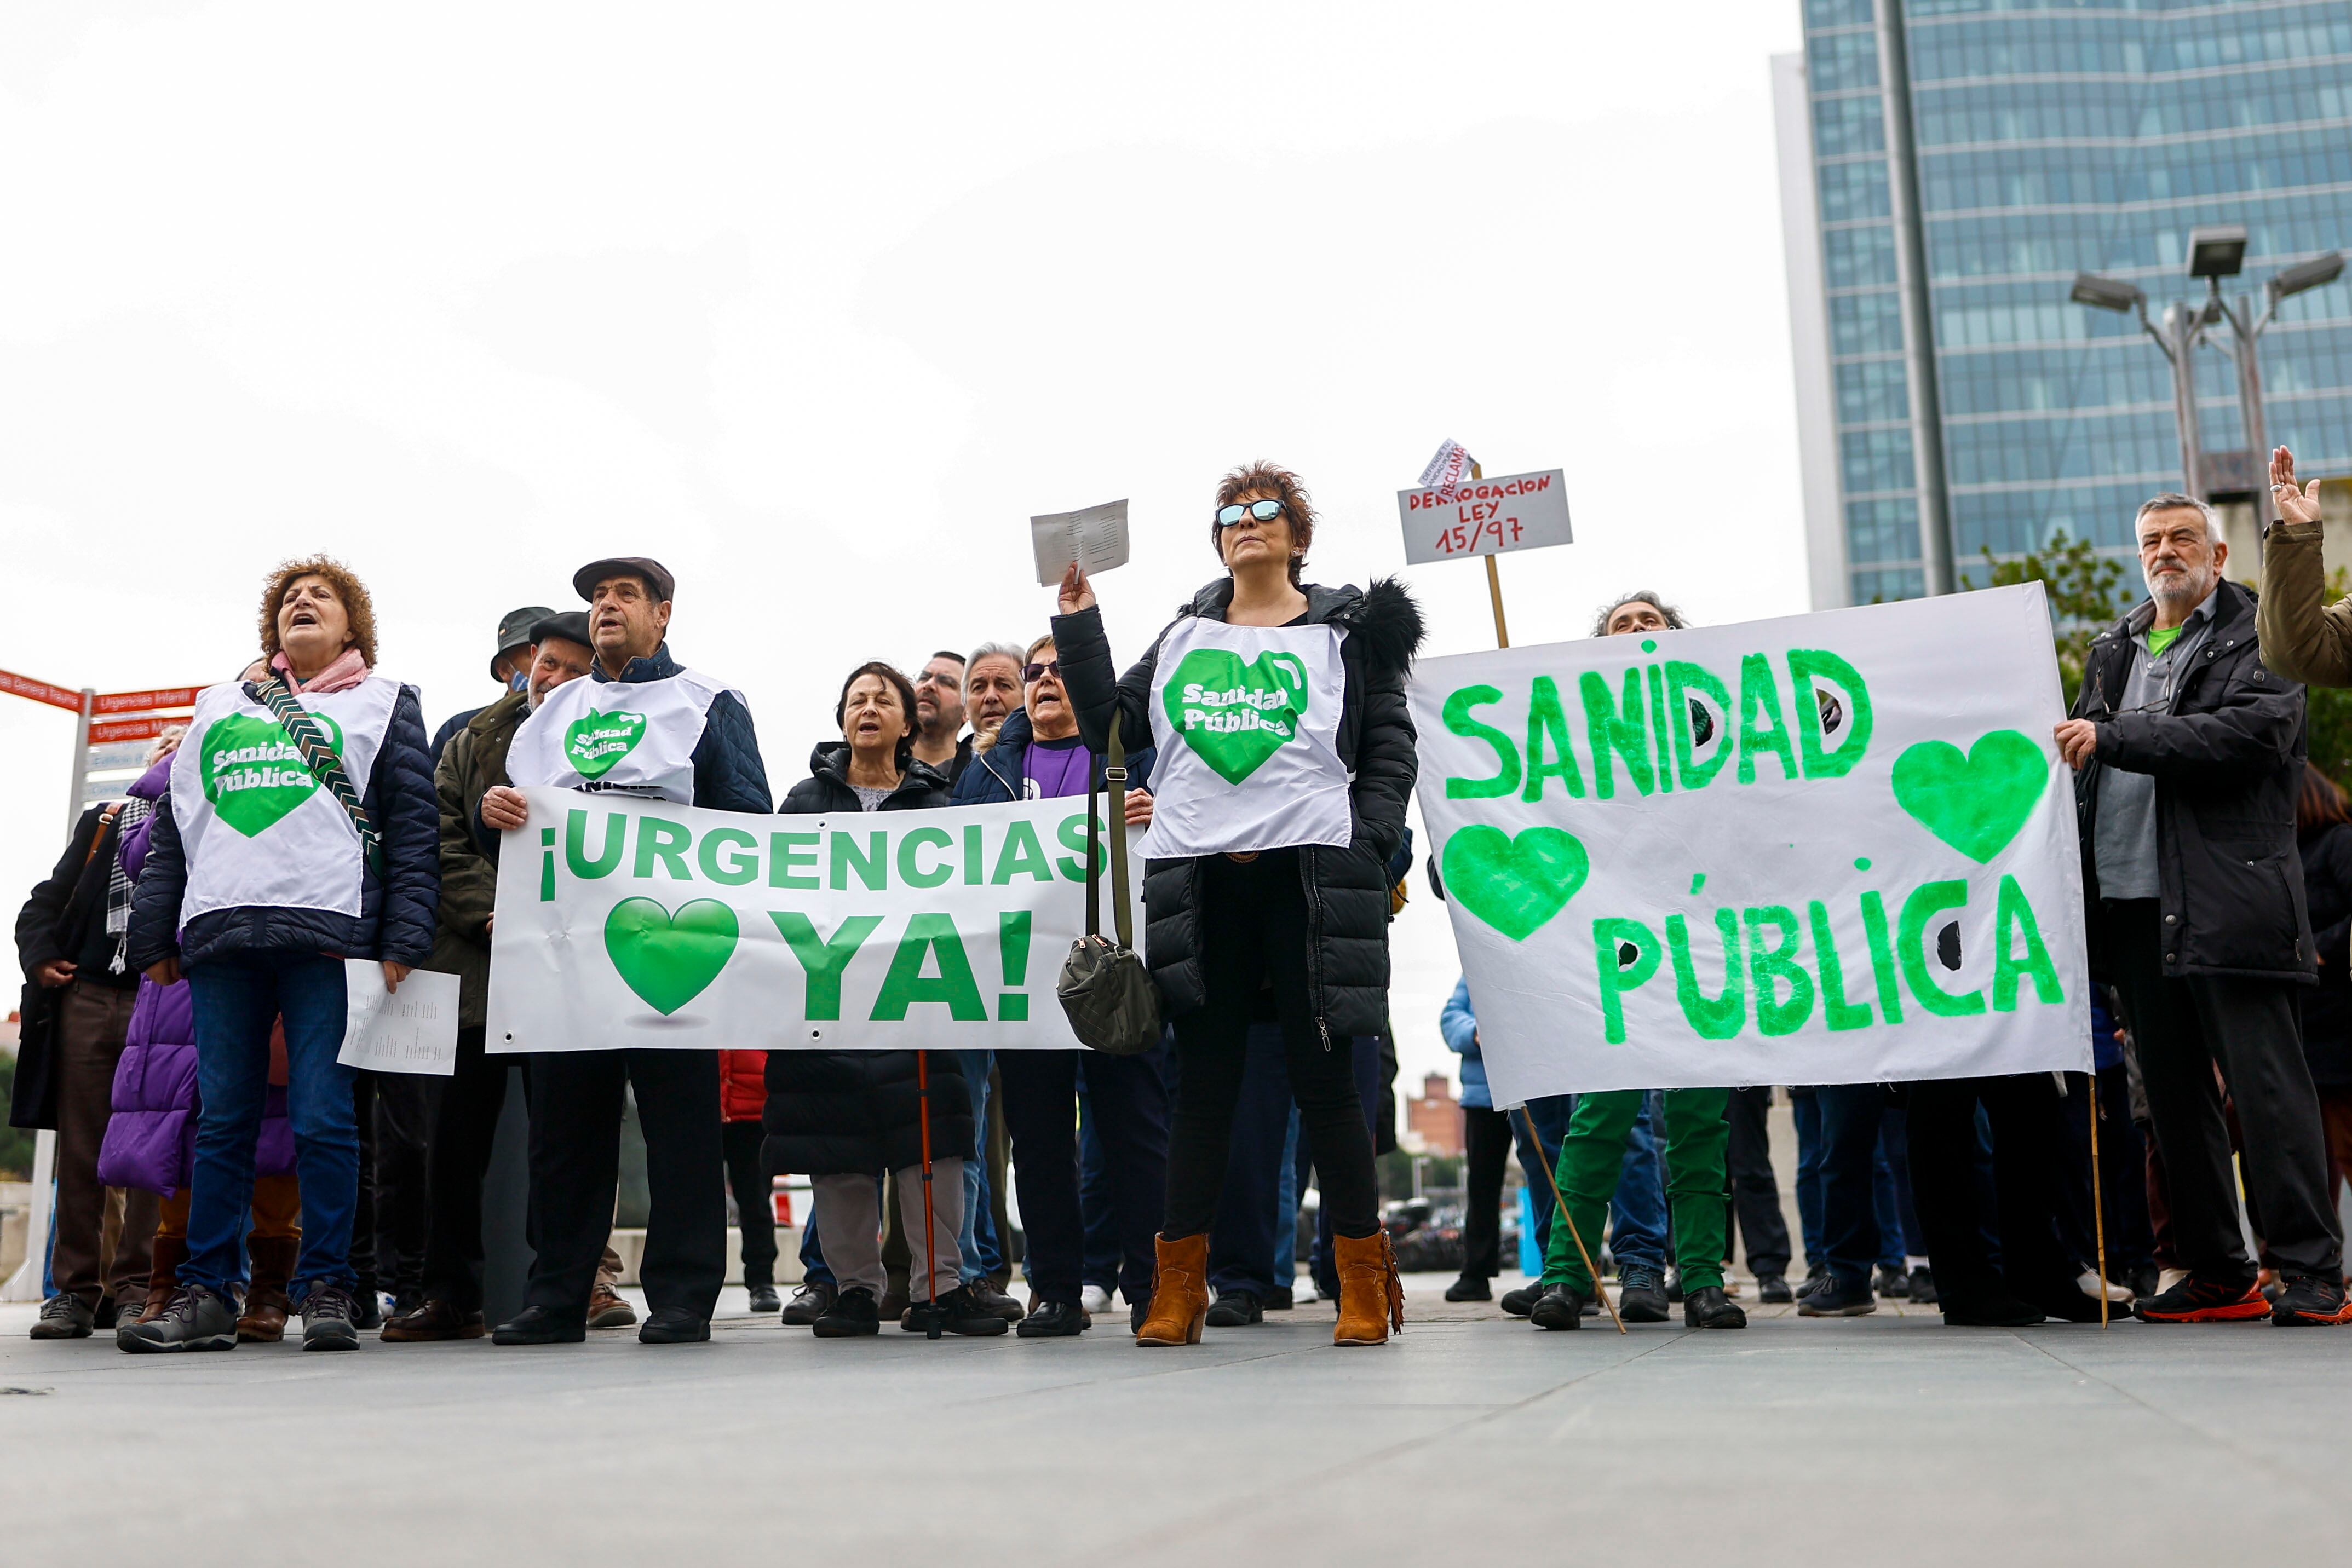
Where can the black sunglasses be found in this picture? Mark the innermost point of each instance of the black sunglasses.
(1033, 674)
(1255, 511)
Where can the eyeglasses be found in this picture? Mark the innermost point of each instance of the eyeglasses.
(1253, 512)
(1030, 674)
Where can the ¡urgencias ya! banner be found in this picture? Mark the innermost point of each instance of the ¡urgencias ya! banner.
(1836, 848)
(627, 923)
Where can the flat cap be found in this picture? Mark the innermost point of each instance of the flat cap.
(656, 575)
(572, 625)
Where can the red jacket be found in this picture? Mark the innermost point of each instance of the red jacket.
(742, 1085)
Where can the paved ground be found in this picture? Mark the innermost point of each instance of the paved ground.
(1473, 1437)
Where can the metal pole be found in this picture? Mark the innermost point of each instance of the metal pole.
(2246, 328)
(80, 757)
(2182, 327)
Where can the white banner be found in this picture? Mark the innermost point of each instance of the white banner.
(625, 923)
(1830, 849)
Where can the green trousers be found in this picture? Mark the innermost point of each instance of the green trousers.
(1698, 1194)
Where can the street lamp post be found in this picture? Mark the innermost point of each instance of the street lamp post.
(2215, 253)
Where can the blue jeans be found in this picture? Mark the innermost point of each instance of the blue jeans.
(1286, 1211)
(234, 1000)
(1549, 1114)
(1890, 1198)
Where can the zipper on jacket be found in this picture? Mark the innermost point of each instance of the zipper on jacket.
(1314, 940)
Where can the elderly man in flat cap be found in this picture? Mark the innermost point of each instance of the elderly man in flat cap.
(696, 747)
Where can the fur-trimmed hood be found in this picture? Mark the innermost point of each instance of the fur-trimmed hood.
(1384, 618)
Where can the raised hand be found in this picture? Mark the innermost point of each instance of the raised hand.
(1077, 593)
(2294, 505)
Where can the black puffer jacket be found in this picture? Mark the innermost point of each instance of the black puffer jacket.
(1347, 889)
(858, 1112)
(397, 910)
(2327, 1007)
(2227, 757)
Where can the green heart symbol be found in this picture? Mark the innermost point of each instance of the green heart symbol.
(251, 772)
(1514, 884)
(1975, 803)
(1235, 716)
(594, 742)
(669, 959)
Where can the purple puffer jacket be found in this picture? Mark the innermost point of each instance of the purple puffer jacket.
(151, 1140)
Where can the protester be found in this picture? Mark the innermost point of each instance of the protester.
(71, 941)
(2189, 758)
(2303, 637)
(991, 689)
(474, 1095)
(939, 717)
(2323, 822)
(695, 746)
(1310, 920)
(1486, 1141)
(1756, 1192)
(1592, 1156)
(510, 666)
(845, 1118)
(1036, 754)
(743, 1103)
(270, 865)
(151, 1139)
(2034, 1277)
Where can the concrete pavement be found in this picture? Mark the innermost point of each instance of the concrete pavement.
(1471, 1436)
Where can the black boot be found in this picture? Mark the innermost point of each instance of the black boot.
(1708, 1308)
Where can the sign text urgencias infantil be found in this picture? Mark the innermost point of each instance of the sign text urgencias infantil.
(1832, 849)
(630, 923)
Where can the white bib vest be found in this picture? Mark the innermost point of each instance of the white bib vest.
(1246, 720)
(635, 738)
(256, 826)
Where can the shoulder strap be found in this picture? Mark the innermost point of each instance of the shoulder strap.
(1115, 775)
(321, 759)
(97, 834)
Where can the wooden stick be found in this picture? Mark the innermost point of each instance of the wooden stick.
(930, 1231)
(1560, 1200)
(1494, 594)
(2099, 1205)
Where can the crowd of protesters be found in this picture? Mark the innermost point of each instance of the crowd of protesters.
(187, 1005)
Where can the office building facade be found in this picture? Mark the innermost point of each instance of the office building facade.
(1948, 166)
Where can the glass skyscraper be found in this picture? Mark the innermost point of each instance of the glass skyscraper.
(1948, 166)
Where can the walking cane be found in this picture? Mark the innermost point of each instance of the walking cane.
(2099, 1205)
(1560, 1202)
(930, 1234)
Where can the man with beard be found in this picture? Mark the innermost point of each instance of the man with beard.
(2189, 754)
(939, 716)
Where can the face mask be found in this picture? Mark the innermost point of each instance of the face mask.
(519, 681)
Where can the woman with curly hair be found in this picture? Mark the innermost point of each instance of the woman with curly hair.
(1285, 761)
(301, 829)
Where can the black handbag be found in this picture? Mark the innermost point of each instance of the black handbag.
(1105, 988)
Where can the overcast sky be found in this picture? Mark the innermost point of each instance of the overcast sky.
(817, 305)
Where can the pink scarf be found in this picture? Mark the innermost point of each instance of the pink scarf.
(348, 670)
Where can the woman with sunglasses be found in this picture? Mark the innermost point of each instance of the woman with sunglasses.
(1294, 930)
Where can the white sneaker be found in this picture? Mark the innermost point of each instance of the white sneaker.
(1094, 1299)
(2088, 1281)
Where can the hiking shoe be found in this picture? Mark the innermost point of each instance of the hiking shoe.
(811, 1301)
(330, 1319)
(1470, 1287)
(607, 1310)
(199, 1318)
(1641, 1294)
(2195, 1301)
(764, 1300)
(1235, 1309)
(1816, 1276)
(1834, 1297)
(63, 1317)
(1894, 1283)
(1559, 1307)
(959, 1311)
(847, 1314)
(2310, 1299)
(432, 1320)
(1772, 1290)
(1522, 1302)
(1708, 1308)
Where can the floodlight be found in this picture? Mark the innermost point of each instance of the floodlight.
(2312, 274)
(2106, 293)
(2218, 251)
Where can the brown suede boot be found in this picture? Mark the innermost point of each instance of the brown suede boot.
(164, 1275)
(1372, 1297)
(265, 1306)
(1180, 1292)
